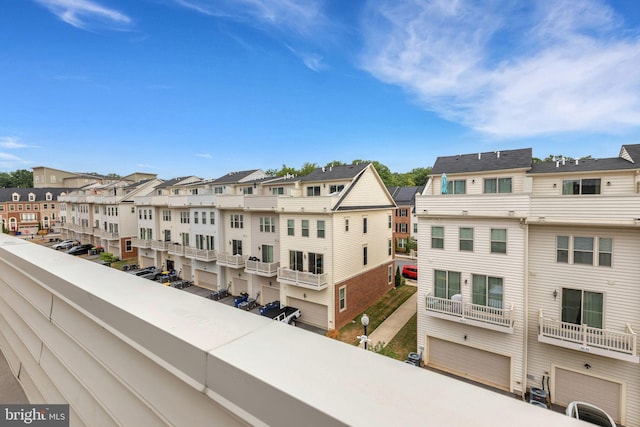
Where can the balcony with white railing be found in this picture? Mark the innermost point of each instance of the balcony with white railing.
(266, 269)
(201, 254)
(603, 342)
(303, 279)
(307, 204)
(477, 205)
(496, 319)
(586, 209)
(103, 234)
(141, 243)
(176, 249)
(159, 245)
(232, 261)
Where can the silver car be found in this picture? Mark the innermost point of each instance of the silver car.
(590, 413)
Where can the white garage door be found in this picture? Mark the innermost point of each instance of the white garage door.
(185, 274)
(468, 362)
(146, 261)
(269, 293)
(239, 285)
(570, 386)
(206, 279)
(312, 313)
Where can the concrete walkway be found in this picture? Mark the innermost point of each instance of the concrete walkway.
(390, 327)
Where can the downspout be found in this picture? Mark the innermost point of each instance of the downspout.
(525, 332)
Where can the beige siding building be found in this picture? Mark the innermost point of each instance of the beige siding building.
(527, 275)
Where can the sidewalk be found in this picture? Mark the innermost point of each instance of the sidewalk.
(390, 327)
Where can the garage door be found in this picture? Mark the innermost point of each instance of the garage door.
(185, 274)
(239, 285)
(206, 279)
(312, 313)
(146, 261)
(269, 293)
(468, 362)
(570, 386)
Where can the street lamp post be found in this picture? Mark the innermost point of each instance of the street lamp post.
(365, 322)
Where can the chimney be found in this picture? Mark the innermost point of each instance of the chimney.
(498, 155)
(576, 161)
(479, 156)
(557, 163)
(323, 169)
(563, 160)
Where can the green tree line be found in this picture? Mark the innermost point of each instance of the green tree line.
(21, 178)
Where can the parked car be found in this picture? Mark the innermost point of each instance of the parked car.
(65, 244)
(80, 249)
(410, 272)
(589, 413)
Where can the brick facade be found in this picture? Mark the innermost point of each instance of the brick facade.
(362, 291)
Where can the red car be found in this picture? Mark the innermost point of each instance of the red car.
(410, 272)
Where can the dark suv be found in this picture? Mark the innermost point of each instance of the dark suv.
(80, 249)
(410, 272)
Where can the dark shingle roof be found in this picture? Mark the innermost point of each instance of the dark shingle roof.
(173, 181)
(404, 196)
(609, 164)
(234, 177)
(334, 173)
(482, 162)
(6, 194)
(633, 151)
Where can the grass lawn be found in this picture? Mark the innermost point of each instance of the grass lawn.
(378, 313)
(404, 342)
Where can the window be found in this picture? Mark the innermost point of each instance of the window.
(211, 243)
(247, 190)
(582, 307)
(15, 197)
(218, 190)
(487, 291)
(277, 191)
(316, 263)
(267, 253)
(237, 220)
(389, 222)
(346, 224)
(203, 215)
(336, 188)
(199, 241)
(305, 228)
(195, 217)
(185, 239)
(466, 239)
(212, 218)
(446, 283)
(267, 225)
(184, 217)
(403, 212)
(313, 191)
(365, 254)
(166, 215)
(295, 260)
(390, 272)
(498, 241)
(364, 224)
(342, 298)
(236, 247)
(290, 227)
(415, 227)
(437, 237)
(12, 207)
(403, 227)
(402, 244)
(497, 185)
(605, 251)
(48, 196)
(581, 186)
(127, 246)
(27, 207)
(583, 250)
(32, 197)
(20, 207)
(389, 247)
(457, 187)
(320, 229)
(194, 191)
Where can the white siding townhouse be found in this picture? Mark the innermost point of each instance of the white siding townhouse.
(528, 275)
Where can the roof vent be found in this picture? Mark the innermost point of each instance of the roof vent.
(323, 169)
(563, 160)
(557, 163)
(576, 161)
(479, 156)
(498, 154)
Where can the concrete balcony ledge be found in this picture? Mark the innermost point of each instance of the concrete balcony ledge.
(122, 350)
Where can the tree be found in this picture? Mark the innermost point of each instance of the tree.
(307, 168)
(398, 280)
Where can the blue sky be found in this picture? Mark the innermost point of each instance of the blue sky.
(204, 87)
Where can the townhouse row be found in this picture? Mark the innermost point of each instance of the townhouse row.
(322, 242)
(528, 275)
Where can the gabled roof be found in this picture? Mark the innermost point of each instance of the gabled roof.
(334, 173)
(405, 196)
(589, 165)
(234, 177)
(631, 153)
(40, 193)
(483, 162)
(177, 181)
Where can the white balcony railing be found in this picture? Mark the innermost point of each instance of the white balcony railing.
(233, 261)
(267, 269)
(141, 243)
(176, 249)
(604, 342)
(303, 279)
(498, 319)
(201, 254)
(159, 245)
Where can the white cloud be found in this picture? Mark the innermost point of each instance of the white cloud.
(86, 14)
(297, 15)
(311, 60)
(11, 142)
(509, 69)
(12, 162)
(205, 155)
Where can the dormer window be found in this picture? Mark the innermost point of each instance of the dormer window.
(32, 197)
(48, 196)
(15, 197)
